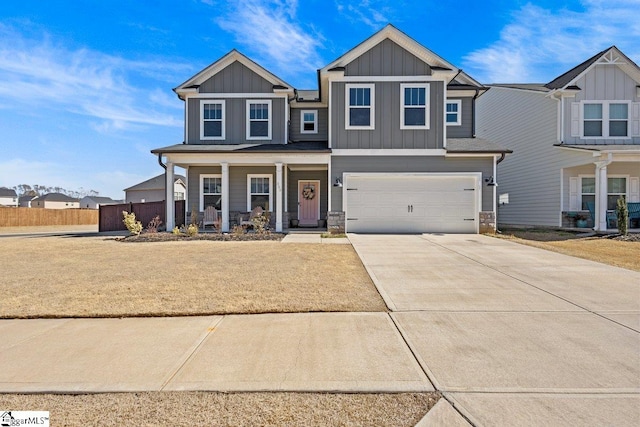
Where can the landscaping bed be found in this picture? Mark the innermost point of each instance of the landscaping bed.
(216, 237)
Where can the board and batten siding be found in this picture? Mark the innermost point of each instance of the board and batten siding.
(409, 164)
(465, 129)
(526, 122)
(236, 78)
(236, 122)
(387, 133)
(323, 125)
(387, 58)
(601, 83)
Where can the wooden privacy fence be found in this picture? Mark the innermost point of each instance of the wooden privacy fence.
(111, 215)
(33, 217)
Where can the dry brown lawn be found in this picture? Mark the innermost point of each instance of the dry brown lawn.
(58, 276)
(227, 409)
(625, 254)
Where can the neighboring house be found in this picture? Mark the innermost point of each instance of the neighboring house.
(94, 202)
(25, 201)
(386, 143)
(55, 201)
(8, 197)
(153, 190)
(576, 142)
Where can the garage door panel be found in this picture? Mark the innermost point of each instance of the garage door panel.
(411, 203)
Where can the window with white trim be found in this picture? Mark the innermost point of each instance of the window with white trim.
(360, 106)
(607, 119)
(414, 106)
(259, 192)
(259, 119)
(212, 122)
(616, 187)
(454, 112)
(210, 191)
(309, 121)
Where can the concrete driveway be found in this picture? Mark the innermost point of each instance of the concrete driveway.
(514, 335)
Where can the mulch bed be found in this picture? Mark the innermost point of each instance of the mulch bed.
(218, 237)
(635, 237)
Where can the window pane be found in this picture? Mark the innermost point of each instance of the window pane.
(211, 185)
(213, 128)
(587, 199)
(309, 117)
(414, 96)
(452, 117)
(213, 111)
(260, 200)
(588, 185)
(214, 200)
(618, 128)
(359, 117)
(452, 108)
(593, 128)
(259, 129)
(309, 126)
(360, 96)
(612, 201)
(592, 111)
(617, 185)
(618, 111)
(414, 116)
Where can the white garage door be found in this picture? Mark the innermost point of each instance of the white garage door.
(411, 203)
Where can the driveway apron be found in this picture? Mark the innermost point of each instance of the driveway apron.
(514, 335)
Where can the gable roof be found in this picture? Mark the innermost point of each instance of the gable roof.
(192, 83)
(155, 183)
(99, 199)
(392, 33)
(7, 192)
(56, 197)
(610, 55)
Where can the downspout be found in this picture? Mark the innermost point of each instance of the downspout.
(473, 116)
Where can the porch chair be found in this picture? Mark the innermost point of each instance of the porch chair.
(610, 216)
(257, 211)
(634, 212)
(211, 218)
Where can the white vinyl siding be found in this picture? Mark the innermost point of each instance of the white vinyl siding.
(212, 121)
(360, 106)
(259, 191)
(259, 119)
(414, 106)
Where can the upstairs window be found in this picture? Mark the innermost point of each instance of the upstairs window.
(414, 106)
(259, 119)
(212, 113)
(309, 121)
(605, 120)
(360, 100)
(454, 113)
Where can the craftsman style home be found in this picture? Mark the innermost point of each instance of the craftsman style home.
(386, 143)
(576, 143)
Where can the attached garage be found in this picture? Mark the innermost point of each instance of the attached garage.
(412, 202)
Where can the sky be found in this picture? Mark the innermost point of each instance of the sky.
(86, 85)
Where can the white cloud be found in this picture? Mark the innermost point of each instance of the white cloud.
(269, 29)
(38, 72)
(373, 14)
(539, 44)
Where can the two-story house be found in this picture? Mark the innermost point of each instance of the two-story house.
(576, 143)
(385, 144)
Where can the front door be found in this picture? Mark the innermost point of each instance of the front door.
(308, 203)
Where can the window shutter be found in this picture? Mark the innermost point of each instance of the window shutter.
(635, 119)
(573, 193)
(575, 119)
(634, 189)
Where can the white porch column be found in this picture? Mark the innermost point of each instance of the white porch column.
(279, 186)
(601, 196)
(225, 196)
(170, 204)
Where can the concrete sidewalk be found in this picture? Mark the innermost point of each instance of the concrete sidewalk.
(511, 334)
(341, 352)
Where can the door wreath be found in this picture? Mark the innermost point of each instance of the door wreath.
(308, 193)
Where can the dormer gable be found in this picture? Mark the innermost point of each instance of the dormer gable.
(233, 73)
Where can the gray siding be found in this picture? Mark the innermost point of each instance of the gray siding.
(323, 126)
(526, 122)
(602, 83)
(465, 130)
(235, 122)
(387, 133)
(387, 59)
(381, 164)
(292, 189)
(236, 78)
(136, 196)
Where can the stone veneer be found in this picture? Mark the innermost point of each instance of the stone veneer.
(487, 222)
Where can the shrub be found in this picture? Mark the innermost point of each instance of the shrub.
(134, 227)
(176, 231)
(260, 224)
(238, 230)
(153, 225)
(192, 230)
(623, 215)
